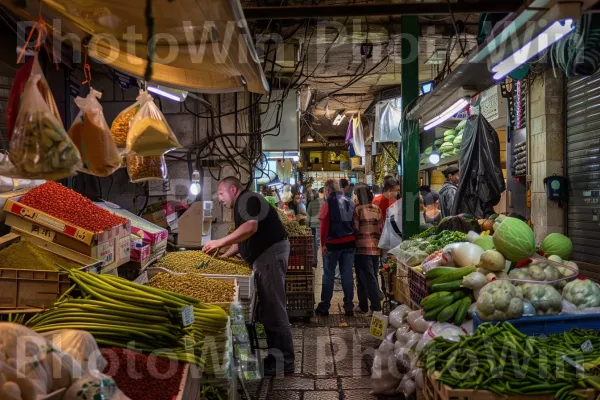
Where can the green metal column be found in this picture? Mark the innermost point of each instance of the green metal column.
(409, 154)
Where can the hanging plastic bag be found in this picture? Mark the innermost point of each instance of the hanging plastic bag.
(358, 140)
(92, 137)
(30, 68)
(146, 168)
(40, 148)
(121, 124)
(149, 134)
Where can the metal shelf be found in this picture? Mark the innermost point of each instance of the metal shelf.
(446, 161)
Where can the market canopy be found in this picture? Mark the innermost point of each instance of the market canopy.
(201, 45)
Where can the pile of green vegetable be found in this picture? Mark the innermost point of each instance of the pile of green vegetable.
(502, 360)
(117, 312)
(443, 239)
(449, 302)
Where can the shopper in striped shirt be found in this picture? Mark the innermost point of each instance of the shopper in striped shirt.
(367, 227)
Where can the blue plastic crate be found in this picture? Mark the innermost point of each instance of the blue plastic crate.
(534, 326)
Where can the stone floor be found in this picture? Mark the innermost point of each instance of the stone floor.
(333, 357)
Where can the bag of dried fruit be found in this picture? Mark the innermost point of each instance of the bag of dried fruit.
(150, 134)
(120, 126)
(92, 137)
(39, 146)
(146, 168)
(30, 68)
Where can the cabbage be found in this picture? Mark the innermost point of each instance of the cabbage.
(557, 244)
(514, 239)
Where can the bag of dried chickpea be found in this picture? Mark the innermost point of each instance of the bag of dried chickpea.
(146, 168)
(120, 126)
(149, 133)
(39, 146)
(92, 137)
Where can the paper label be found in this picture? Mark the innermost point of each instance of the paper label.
(587, 347)
(379, 324)
(573, 364)
(187, 315)
(42, 232)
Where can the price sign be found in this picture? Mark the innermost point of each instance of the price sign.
(187, 315)
(379, 325)
(587, 347)
(42, 232)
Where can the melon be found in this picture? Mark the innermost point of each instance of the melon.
(450, 132)
(514, 239)
(557, 244)
(461, 125)
(485, 242)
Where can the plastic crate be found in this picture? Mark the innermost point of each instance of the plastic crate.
(418, 286)
(300, 305)
(299, 283)
(301, 251)
(537, 325)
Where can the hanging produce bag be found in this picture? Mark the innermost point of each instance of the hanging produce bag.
(120, 126)
(146, 168)
(29, 69)
(92, 137)
(481, 180)
(359, 137)
(39, 147)
(150, 134)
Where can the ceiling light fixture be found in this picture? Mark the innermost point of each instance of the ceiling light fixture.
(339, 117)
(169, 93)
(448, 113)
(310, 139)
(195, 185)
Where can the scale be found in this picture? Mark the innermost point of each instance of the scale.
(194, 227)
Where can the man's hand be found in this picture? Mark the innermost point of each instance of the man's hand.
(212, 245)
(325, 250)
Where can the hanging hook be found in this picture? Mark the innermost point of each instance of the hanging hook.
(87, 71)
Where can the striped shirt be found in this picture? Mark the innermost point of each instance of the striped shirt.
(367, 225)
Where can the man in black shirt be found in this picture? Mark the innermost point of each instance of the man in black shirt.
(261, 240)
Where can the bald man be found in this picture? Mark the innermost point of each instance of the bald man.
(261, 240)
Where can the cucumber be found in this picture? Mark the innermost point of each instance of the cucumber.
(448, 312)
(435, 300)
(463, 307)
(447, 287)
(431, 315)
(459, 294)
(439, 271)
(458, 273)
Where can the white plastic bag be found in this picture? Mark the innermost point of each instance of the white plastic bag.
(413, 340)
(529, 309)
(121, 124)
(385, 377)
(419, 378)
(417, 322)
(405, 359)
(358, 139)
(150, 134)
(467, 327)
(81, 345)
(94, 385)
(407, 387)
(398, 315)
(402, 333)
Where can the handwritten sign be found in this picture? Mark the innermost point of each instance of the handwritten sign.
(42, 232)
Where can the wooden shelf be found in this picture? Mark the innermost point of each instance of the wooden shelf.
(446, 161)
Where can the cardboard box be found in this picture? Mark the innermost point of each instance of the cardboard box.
(142, 227)
(140, 254)
(157, 218)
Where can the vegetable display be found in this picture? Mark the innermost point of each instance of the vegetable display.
(499, 301)
(450, 300)
(292, 227)
(582, 293)
(544, 298)
(25, 255)
(514, 239)
(195, 261)
(502, 360)
(146, 168)
(461, 223)
(58, 201)
(116, 312)
(144, 383)
(206, 290)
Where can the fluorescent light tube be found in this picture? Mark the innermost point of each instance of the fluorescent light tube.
(446, 115)
(541, 42)
(310, 139)
(172, 94)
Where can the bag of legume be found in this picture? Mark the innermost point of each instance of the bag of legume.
(146, 168)
(150, 134)
(39, 146)
(92, 137)
(121, 124)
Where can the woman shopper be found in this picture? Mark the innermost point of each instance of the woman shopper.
(313, 222)
(367, 227)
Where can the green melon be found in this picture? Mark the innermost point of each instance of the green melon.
(461, 125)
(514, 239)
(557, 244)
(450, 132)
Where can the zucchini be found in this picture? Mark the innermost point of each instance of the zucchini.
(439, 271)
(435, 300)
(447, 287)
(432, 314)
(463, 307)
(458, 273)
(448, 312)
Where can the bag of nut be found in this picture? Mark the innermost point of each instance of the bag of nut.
(146, 168)
(120, 126)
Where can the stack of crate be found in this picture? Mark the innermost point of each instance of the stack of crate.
(300, 278)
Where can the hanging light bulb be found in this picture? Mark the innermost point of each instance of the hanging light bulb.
(434, 158)
(195, 185)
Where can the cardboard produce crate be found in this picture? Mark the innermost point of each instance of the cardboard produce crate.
(435, 390)
(113, 249)
(400, 284)
(27, 289)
